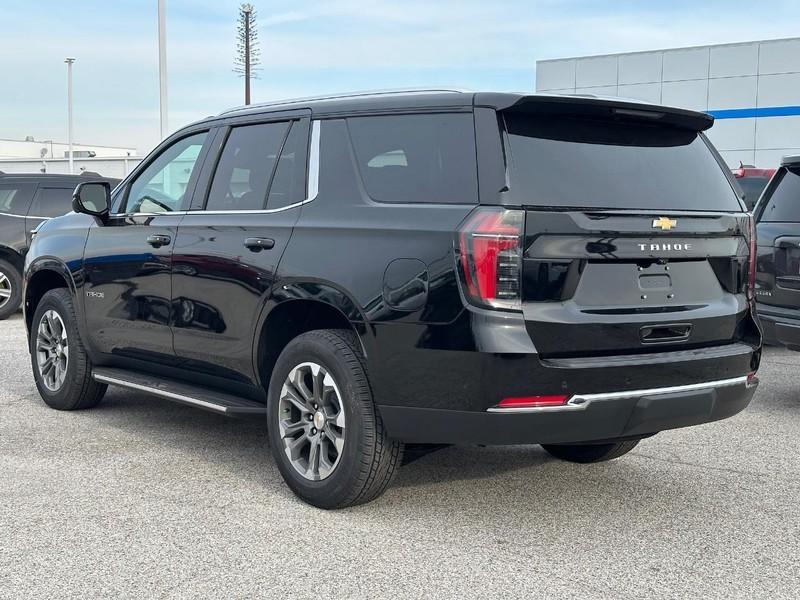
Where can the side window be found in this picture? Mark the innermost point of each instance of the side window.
(14, 199)
(161, 187)
(51, 202)
(426, 158)
(246, 166)
(288, 184)
(784, 203)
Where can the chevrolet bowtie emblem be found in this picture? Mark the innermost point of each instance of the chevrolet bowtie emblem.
(665, 223)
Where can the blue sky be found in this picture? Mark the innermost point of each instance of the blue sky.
(311, 47)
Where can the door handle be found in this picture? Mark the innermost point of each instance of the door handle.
(259, 244)
(156, 241)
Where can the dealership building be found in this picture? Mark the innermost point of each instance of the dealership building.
(752, 89)
(47, 156)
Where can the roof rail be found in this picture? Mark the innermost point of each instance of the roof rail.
(358, 94)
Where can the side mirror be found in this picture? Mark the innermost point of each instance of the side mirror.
(92, 198)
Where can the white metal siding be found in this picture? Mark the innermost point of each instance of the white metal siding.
(745, 78)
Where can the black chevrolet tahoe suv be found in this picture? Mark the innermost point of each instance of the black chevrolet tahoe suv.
(384, 269)
(777, 287)
(25, 201)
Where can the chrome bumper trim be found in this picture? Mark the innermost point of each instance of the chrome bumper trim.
(581, 401)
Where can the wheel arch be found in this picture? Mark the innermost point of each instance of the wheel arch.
(287, 317)
(12, 257)
(42, 276)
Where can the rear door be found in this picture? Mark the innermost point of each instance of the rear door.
(228, 249)
(778, 228)
(635, 238)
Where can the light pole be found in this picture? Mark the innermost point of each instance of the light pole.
(69, 62)
(162, 64)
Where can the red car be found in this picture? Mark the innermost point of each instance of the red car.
(752, 181)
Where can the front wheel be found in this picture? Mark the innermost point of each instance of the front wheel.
(325, 432)
(590, 453)
(61, 367)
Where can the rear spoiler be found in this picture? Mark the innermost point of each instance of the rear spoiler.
(791, 161)
(597, 107)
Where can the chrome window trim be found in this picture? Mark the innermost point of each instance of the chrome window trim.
(311, 195)
(581, 401)
(313, 163)
(2, 214)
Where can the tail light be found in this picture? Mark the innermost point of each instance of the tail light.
(490, 257)
(751, 267)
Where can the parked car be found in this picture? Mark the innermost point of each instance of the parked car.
(425, 267)
(778, 264)
(752, 182)
(25, 202)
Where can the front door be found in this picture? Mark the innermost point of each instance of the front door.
(128, 259)
(228, 250)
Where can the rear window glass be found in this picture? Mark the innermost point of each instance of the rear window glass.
(417, 158)
(784, 202)
(752, 188)
(570, 162)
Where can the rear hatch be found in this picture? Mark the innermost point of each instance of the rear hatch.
(778, 226)
(635, 238)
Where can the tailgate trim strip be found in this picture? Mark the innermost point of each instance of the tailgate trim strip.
(626, 360)
(582, 401)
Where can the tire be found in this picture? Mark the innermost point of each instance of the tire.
(364, 465)
(590, 453)
(10, 283)
(77, 390)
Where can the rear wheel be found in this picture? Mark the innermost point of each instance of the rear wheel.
(325, 432)
(10, 290)
(60, 364)
(590, 453)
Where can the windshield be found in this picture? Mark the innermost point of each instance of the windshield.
(574, 162)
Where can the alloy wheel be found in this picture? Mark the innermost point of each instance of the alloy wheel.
(52, 350)
(5, 289)
(311, 421)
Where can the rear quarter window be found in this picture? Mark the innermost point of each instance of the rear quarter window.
(421, 158)
(782, 202)
(564, 161)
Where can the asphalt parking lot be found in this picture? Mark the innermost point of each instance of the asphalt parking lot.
(144, 498)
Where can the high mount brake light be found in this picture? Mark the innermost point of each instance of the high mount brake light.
(490, 255)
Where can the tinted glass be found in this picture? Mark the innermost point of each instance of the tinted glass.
(14, 199)
(784, 202)
(161, 187)
(562, 161)
(752, 188)
(51, 202)
(245, 167)
(417, 158)
(288, 184)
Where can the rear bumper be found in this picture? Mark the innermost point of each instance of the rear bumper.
(780, 326)
(586, 417)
